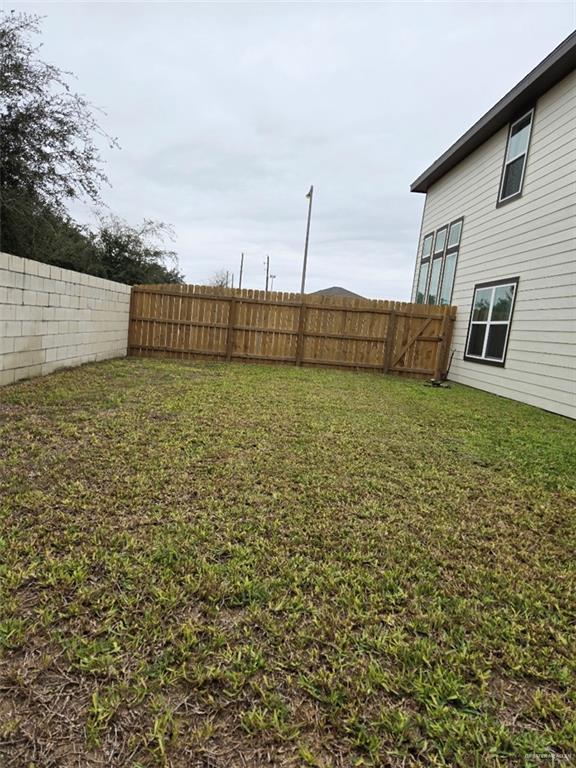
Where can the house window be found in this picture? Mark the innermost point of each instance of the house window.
(450, 259)
(434, 281)
(440, 241)
(490, 321)
(515, 160)
(455, 232)
(422, 281)
(448, 279)
(438, 264)
(427, 246)
(424, 268)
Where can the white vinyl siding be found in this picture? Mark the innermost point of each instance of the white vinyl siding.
(532, 237)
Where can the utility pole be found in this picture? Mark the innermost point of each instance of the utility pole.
(272, 278)
(304, 265)
(267, 272)
(241, 270)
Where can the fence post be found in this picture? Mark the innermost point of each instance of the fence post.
(230, 335)
(300, 339)
(389, 341)
(441, 346)
(131, 322)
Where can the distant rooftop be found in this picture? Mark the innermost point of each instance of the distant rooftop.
(336, 290)
(550, 71)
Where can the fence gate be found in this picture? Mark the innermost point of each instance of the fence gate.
(190, 321)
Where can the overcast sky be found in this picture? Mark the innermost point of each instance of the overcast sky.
(226, 113)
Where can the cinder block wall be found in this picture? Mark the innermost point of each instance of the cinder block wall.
(52, 318)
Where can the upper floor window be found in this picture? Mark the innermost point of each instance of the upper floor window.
(515, 160)
(438, 264)
(440, 241)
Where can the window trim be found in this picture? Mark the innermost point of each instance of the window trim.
(504, 200)
(440, 255)
(492, 284)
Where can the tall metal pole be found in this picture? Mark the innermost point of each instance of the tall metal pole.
(267, 271)
(272, 278)
(304, 265)
(241, 270)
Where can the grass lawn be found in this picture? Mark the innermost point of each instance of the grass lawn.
(211, 565)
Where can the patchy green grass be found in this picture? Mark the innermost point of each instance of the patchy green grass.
(209, 565)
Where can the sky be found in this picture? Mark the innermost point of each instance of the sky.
(226, 113)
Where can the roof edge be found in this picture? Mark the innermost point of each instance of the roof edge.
(559, 63)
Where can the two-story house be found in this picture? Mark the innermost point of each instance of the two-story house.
(498, 240)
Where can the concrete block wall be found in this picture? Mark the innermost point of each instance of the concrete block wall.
(53, 318)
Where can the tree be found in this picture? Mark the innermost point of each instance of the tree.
(48, 157)
(47, 153)
(219, 279)
(136, 254)
(36, 232)
(47, 149)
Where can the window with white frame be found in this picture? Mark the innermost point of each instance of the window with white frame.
(515, 159)
(438, 264)
(490, 321)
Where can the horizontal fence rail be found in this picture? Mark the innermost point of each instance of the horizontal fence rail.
(195, 321)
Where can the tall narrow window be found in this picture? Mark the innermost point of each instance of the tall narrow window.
(434, 281)
(449, 271)
(515, 160)
(490, 321)
(424, 268)
(422, 280)
(436, 266)
(448, 279)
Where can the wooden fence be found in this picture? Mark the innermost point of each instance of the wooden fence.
(192, 321)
